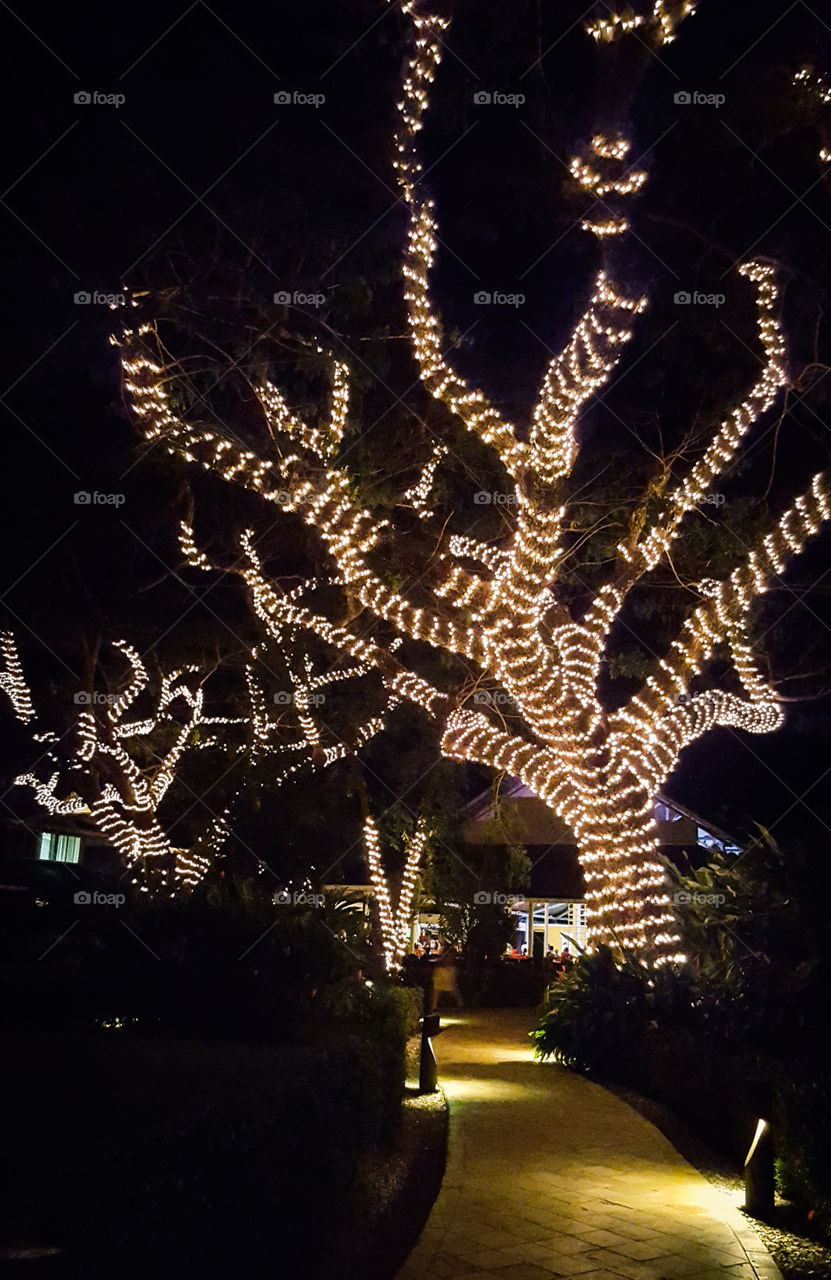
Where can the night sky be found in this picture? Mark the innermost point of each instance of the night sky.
(201, 189)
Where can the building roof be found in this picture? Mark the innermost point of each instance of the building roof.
(531, 823)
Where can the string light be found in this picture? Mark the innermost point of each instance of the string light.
(659, 22)
(494, 601)
(419, 495)
(590, 180)
(12, 681)
(816, 86)
(394, 923)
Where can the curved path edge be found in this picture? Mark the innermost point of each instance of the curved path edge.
(549, 1175)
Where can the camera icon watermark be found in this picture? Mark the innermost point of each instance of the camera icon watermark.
(297, 298)
(83, 498)
(684, 298)
(488, 497)
(83, 98)
(95, 699)
(297, 898)
(685, 898)
(692, 98)
(295, 98)
(287, 499)
(485, 298)
(298, 698)
(496, 98)
(485, 898)
(85, 898)
(85, 298)
(493, 698)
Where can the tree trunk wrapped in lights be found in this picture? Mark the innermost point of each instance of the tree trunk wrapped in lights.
(496, 606)
(394, 923)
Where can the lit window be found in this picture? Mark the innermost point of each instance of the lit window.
(59, 848)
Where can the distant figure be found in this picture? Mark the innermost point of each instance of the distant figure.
(523, 951)
(444, 978)
(565, 956)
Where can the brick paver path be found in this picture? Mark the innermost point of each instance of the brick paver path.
(550, 1175)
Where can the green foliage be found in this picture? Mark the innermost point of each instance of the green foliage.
(592, 1016)
(755, 924)
(802, 1138)
(344, 913)
(457, 880)
(231, 965)
(748, 1009)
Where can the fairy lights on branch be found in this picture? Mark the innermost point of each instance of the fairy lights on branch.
(815, 86)
(12, 681)
(727, 440)
(660, 23)
(576, 375)
(419, 495)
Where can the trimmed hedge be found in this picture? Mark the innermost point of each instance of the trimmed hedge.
(180, 968)
(195, 1089)
(139, 1155)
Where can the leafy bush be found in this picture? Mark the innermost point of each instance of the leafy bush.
(594, 1015)
(234, 967)
(802, 1138)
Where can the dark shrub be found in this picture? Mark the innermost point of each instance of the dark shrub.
(595, 1015)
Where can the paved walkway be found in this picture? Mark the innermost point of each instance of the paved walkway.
(550, 1175)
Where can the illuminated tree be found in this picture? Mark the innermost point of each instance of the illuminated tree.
(496, 607)
(117, 763)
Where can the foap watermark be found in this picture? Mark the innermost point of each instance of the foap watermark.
(496, 98)
(493, 698)
(300, 898)
(484, 298)
(296, 98)
(484, 898)
(694, 98)
(297, 298)
(298, 698)
(95, 98)
(95, 699)
(685, 898)
(683, 298)
(488, 497)
(94, 298)
(95, 898)
(714, 499)
(288, 499)
(83, 498)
